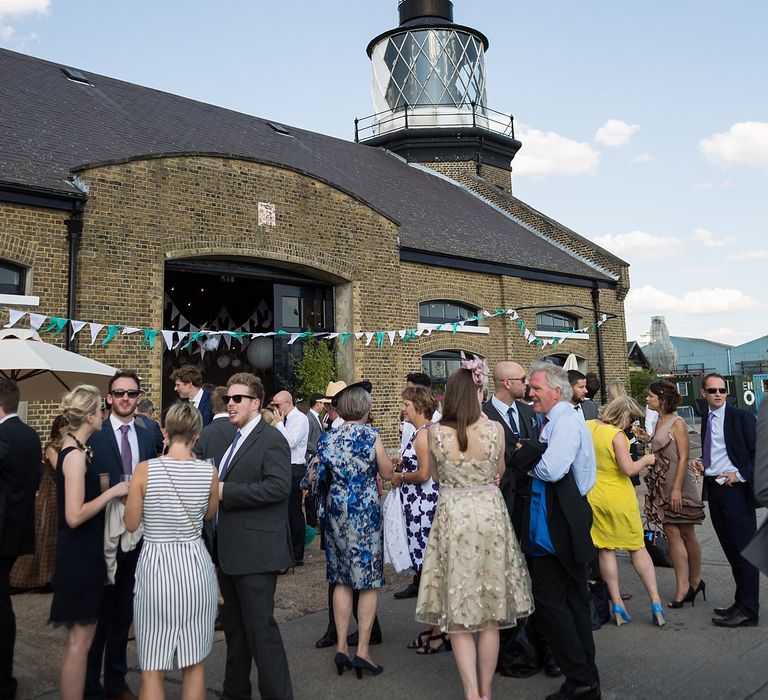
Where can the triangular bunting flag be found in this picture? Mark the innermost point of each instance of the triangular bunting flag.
(391, 335)
(36, 320)
(14, 317)
(77, 326)
(95, 329)
(168, 338)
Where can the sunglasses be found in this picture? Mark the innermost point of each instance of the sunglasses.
(119, 393)
(516, 379)
(718, 390)
(237, 398)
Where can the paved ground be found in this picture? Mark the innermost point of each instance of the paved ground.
(688, 658)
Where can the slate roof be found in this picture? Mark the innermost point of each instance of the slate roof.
(50, 125)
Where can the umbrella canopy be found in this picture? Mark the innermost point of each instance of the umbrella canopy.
(571, 362)
(46, 372)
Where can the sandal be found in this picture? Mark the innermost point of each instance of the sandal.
(421, 640)
(445, 645)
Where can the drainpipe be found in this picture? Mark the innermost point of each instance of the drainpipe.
(598, 334)
(74, 235)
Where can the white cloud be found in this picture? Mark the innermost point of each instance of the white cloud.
(729, 336)
(708, 240)
(615, 133)
(649, 300)
(642, 158)
(640, 244)
(547, 153)
(6, 32)
(17, 8)
(745, 143)
(748, 255)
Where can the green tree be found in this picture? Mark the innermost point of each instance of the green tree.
(315, 369)
(639, 382)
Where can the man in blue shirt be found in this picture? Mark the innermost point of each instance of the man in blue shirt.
(556, 533)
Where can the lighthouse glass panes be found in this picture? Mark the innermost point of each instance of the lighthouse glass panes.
(437, 74)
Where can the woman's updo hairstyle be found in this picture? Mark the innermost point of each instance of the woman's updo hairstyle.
(183, 422)
(80, 403)
(668, 395)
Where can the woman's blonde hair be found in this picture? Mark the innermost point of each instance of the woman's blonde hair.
(80, 403)
(183, 422)
(615, 389)
(621, 412)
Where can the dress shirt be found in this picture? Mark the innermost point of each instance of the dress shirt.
(245, 431)
(7, 416)
(316, 416)
(569, 446)
(221, 415)
(295, 429)
(651, 418)
(337, 422)
(720, 462)
(503, 409)
(198, 397)
(409, 430)
(133, 440)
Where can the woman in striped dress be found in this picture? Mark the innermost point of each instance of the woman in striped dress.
(175, 597)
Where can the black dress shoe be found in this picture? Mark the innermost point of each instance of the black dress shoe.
(738, 619)
(551, 667)
(327, 640)
(410, 591)
(727, 612)
(579, 692)
(354, 638)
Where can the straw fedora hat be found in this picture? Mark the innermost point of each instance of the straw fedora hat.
(333, 388)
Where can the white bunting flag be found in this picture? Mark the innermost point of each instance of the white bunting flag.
(36, 320)
(391, 335)
(95, 329)
(77, 326)
(14, 316)
(168, 338)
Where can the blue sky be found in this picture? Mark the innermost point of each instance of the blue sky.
(644, 125)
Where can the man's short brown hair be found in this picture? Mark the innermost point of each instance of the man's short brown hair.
(9, 395)
(188, 375)
(218, 402)
(255, 387)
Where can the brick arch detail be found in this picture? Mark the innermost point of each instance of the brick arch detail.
(17, 250)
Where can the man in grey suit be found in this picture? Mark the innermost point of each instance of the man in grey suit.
(756, 551)
(578, 382)
(253, 542)
(217, 436)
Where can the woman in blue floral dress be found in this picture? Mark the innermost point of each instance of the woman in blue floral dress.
(419, 493)
(350, 457)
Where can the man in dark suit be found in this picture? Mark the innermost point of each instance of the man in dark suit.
(315, 418)
(145, 416)
(188, 384)
(217, 436)
(579, 401)
(728, 456)
(757, 551)
(20, 455)
(254, 544)
(556, 530)
(117, 448)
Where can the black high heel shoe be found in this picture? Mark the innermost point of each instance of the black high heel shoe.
(701, 588)
(342, 662)
(361, 665)
(690, 596)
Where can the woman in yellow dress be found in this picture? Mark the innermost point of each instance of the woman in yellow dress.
(616, 517)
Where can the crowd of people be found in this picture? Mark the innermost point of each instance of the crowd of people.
(511, 503)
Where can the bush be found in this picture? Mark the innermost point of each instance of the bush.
(315, 369)
(639, 383)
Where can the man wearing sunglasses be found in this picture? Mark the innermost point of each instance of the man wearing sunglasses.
(253, 543)
(728, 456)
(117, 448)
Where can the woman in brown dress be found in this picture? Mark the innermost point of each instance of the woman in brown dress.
(672, 500)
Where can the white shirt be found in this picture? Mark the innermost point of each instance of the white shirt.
(409, 430)
(245, 431)
(338, 421)
(198, 398)
(6, 417)
(503, 410)
(651, 418)
(295, 429)
(133, 440)
(721, 463)
(569, 446)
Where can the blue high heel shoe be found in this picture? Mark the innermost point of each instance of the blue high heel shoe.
(657, 615)
(620, 615)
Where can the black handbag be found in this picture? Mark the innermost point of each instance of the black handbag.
(519, 655)
(658, 547)
(599, 603)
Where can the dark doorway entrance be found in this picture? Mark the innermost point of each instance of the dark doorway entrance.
(234, 295)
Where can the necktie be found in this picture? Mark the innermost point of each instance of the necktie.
(706, 448)
(285, 420)
(232, 448)
(125, 450)
(512, 413)
(577, 407)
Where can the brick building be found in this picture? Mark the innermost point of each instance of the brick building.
(121, 204)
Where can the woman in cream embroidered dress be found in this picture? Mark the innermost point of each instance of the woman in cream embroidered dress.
(474, 578)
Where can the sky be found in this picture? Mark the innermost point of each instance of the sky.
(644, 125)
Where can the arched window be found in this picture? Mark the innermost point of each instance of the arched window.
(12, 278)
(441, 311)
(556, 321)
(439, 365)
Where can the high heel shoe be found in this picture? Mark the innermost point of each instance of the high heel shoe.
(657, 615)
(701, 588)
(342, 662)
(361, 665)
(620, 615)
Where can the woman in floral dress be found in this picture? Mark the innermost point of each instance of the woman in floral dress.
(419, 493)
(350, 457)
(474, 577)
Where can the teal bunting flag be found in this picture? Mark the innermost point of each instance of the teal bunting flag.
(56, 325)
(111, 333)
(149, 338)
(379, 338)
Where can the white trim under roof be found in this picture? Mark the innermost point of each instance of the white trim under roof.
(448, 326)
(562, 335)
(19, 300)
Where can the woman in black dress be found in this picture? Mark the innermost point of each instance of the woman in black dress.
(80, 572)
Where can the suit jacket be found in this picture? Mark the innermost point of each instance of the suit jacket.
(154, 428)
(757, 550)
(214, 439)
(106, 453)
(253, 533)
(205, 407)
(739, 434)
(20, 457)
(514, 483)
(315, 431)
(589, 409)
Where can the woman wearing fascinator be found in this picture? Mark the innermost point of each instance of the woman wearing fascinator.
(491, 589)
